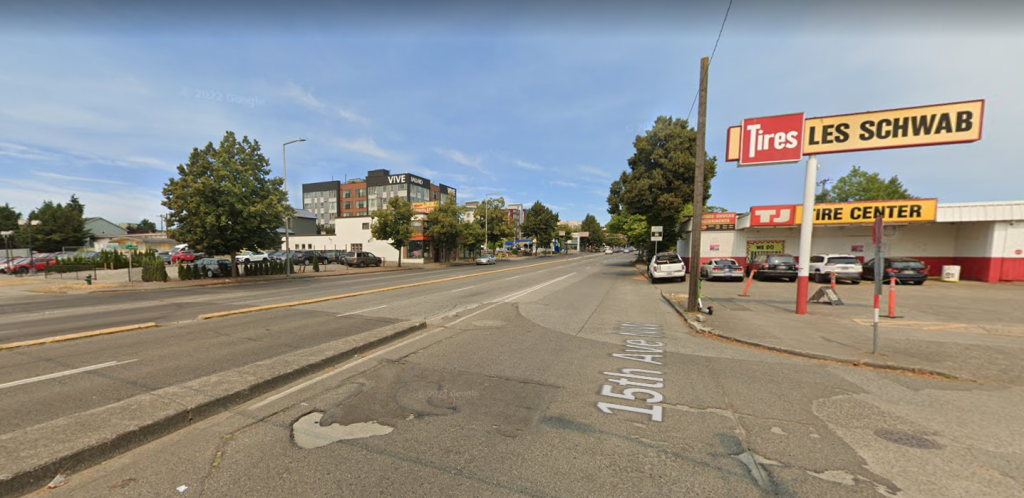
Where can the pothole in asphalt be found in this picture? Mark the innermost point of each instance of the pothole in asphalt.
(308, 433)
(904, 438)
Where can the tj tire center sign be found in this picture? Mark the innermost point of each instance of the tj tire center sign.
(787, 138)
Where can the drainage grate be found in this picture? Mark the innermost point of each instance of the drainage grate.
(907, 439)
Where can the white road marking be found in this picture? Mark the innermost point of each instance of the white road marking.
(360, 311)
(64, 373)
(464, 288)
(516, 294)
(511, 278)
(338, 370)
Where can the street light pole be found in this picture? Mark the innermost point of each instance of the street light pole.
(487, 212)
(28, 224)
(287, 219)
(7, 245)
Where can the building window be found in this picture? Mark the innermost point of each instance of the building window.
(360, 204)
(346, 194)
(347, 205)
(361, 193)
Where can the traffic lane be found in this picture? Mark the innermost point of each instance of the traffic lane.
(173, 306)
(158, 358)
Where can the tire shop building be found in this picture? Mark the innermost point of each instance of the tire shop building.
(984, 239)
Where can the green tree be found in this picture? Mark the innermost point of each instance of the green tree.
(9, 222)
(633, 227)
(444, 225)
(596, 231)
(60, 225)
(393, 223)
(224, 199)
(492, 216)
(144, 226)
(659, 182)
(540, 223)
(471, 235)
(859, 185)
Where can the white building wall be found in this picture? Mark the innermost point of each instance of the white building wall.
(974, 239)
(1013, 239)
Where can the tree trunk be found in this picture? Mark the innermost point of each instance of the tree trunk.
(234, 265)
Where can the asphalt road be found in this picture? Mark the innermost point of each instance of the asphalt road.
(521, 387)
(36, 317)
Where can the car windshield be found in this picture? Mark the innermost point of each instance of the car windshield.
(843, 260)
(663, 259)
(725, 262)
(781, 259)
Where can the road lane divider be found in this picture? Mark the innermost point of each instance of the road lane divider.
(64, 373)
(360, 311)
(80, 335)
(221, 314)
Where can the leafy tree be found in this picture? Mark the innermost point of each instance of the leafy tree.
(492, 216)
(471, 235)
(633, 227)
(60, 225)
(615, 240)
(393, 223)
(859, 185)
(659, 182)
(540, 223)
(224, 200)
(590, 224)
(444, 225)
(9, 221)
(144, 226)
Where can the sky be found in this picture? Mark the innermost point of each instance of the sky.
(532, 100)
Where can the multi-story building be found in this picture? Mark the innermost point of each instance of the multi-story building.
(358, 197)
(322, 200)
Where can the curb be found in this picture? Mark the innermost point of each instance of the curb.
(82, 440)
(698, 327)
(79, 335)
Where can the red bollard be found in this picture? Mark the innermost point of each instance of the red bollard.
(892, 297)
(749, 279)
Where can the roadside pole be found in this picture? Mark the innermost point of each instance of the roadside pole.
(693, 298)
(806, 231)
(876, 235)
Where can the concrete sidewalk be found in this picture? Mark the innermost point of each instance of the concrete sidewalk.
(968, 330)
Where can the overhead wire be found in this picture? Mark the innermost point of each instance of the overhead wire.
(713, 50)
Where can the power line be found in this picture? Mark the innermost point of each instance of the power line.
(713, 49)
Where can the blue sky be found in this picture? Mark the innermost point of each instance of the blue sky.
(531, 100)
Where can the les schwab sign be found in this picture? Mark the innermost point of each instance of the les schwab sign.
(847, 213)
(786, 138)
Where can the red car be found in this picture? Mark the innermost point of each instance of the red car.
(25, 265)
(186, 256)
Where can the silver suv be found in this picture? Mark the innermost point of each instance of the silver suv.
(844, 266)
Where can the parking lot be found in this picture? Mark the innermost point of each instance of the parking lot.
(968, 329)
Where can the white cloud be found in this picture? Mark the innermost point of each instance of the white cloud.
(460, 157)
(117, 205)
(305, 98)
(527, 165)
(562, 183)
(366, 146)
(56, 176)
(597, 172)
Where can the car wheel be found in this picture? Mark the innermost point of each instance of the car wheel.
(855, 282)
(209, 273)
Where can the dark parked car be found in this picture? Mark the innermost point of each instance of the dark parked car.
(166, 256)
(215, 267)
(782, 266)
(362, 259)
(336, 257)
(906, 270)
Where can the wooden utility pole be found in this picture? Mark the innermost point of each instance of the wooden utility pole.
(698, 191)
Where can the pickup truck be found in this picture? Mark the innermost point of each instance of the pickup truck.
(362, 259)
(666, 265)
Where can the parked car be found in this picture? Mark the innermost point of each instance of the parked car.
(666, 265)
(215, 267)
(251, 256)
(183, 256)
(905, 270)
(26, 265)
(165, 255)
(843, 266)
(725, 268)
(781, 266)
(11, 264)
(486, 259)
(608, 251)
(363, 259)
(336, 257)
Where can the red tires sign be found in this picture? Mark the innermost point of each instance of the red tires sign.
(772, 140)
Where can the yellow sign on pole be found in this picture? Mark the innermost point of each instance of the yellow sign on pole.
(941, 124)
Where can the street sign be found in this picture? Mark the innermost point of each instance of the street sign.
(772, 140)
(957, 122)
(131, 246)
(656, 238)
(656, 229)
(561, 233)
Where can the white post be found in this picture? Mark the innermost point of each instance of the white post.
(806, 230)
